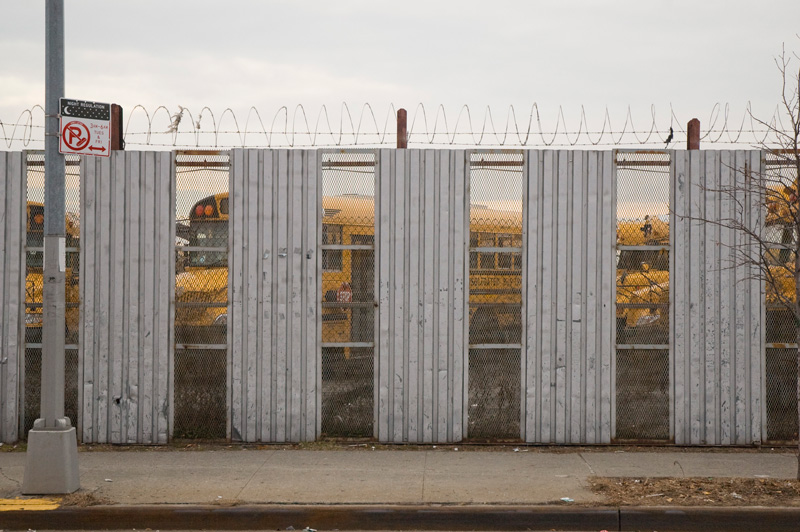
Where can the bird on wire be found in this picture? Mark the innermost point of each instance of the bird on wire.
(669, 138)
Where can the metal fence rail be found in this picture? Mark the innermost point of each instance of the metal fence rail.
(573, 297)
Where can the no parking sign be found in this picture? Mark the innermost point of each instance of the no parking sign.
(85, 128)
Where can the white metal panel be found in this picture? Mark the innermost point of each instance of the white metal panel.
(561, 249)
(459, 315)
(757, 304)
(428, 168)
(547, 318)
(398, 309)
(274, 291)
(608, 283)
(531, 289)
(312, 334)
(165, 292)
(592, 316)
(414, 250)
(13, 171)
(577, 305)
(266, 199)
(127, 236)
(133, 240)
(727, 301)
(442, 356)
(569, 272)
(118, 360)
(422, 232)
(717, 303)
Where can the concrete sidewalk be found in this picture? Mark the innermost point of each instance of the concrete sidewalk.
(362, 476)
(430, 477)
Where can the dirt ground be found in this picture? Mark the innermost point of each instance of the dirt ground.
(82, 498)
(696, 491)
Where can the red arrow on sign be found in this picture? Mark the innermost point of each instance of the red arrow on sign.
(102, 148)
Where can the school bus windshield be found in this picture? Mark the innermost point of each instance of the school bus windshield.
(209, 234)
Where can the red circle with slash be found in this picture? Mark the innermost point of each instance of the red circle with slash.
(76, 135)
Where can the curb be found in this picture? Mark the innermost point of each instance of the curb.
(454, 518)
(706, 518)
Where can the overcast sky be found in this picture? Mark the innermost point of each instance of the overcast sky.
(679, 54)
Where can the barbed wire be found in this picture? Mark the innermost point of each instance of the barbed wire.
(178, 129)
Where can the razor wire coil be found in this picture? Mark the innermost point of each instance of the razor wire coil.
(292, 128)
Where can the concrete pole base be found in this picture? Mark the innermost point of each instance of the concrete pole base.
(51, 464)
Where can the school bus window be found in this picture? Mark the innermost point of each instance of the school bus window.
(332, 258)
(517, 257)
(210, 234)
(33, 259)
(504, 260)
(486, 260)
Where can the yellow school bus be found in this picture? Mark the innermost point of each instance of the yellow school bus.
(347, 292)
(34, 256)
(643, 281)
(495, 276)
(201, 291)
(643, 275)
(781, 239)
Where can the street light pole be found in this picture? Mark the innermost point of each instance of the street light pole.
(52, 456)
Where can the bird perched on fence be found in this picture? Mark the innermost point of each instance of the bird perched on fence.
(669, 137)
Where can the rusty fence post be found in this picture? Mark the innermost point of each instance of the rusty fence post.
(402, 129)
(693, 134)
(117, 142)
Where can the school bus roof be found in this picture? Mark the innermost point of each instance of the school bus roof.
(358, 209)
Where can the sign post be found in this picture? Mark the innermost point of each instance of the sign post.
(51, 464)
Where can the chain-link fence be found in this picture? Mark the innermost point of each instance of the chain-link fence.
(495, 295)
(348, 294)
(34, 285)
(781, 329)
(642, 363)
(201, 295)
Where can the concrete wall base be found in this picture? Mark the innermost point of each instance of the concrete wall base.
(51, 464)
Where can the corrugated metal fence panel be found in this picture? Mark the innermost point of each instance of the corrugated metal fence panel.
(716, 305)
(569, 285)
(423, 231)
(12, 296)
(274, 292)
(127, 293)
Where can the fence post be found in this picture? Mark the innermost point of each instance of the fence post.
(117, 142)
(693, 134)
(402, 129)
